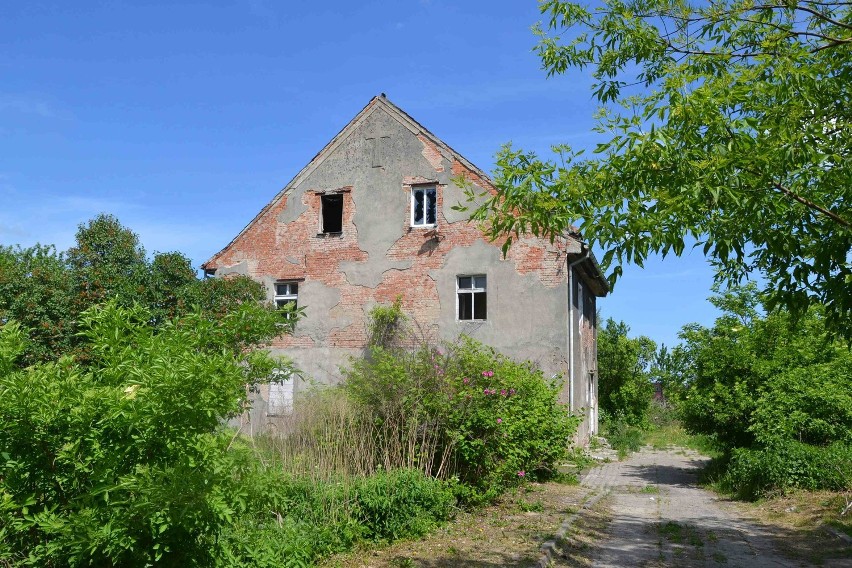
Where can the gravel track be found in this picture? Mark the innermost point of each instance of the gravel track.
(660, 517)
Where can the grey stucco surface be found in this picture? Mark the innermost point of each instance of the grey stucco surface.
(318, 300)
(454, 195)
(240, 268)
(294, 206)
(324, 362)
(368, 274)
(525, 319)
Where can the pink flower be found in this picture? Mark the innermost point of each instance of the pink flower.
(487, 373)
(503, 392)
(466, 381)
(499, 421)
(512, 391)
(522, 473)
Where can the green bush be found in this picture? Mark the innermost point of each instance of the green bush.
(623, 437)
(492, 421)
(811, 404)
(124, 461)
(402, 503)
(773, 392)
(742, 358)
(788, 464)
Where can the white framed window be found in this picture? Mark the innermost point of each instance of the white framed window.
(280, 393)
(286, 293)
(424, 206)
(472, 294)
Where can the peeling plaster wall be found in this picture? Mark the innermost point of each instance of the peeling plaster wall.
(379, 257)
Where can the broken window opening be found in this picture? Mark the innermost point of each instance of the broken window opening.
(472, 297)
(332, 213)
(424, 207)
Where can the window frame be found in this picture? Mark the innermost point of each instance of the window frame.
(289, 297)
(282, 383)
(425, 189)
(473, 290)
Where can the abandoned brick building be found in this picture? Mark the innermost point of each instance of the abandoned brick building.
(369, 220)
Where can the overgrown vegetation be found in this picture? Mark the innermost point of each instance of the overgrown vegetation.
(47, 291)
(625, 390)
(463, 412)
(773, 393)
(122, 458)
(114, 445)
(765, 393)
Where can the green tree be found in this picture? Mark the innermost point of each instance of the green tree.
(744, 354)
(107, 261)
(47, 291)
(36, 291)
(727, 126)
(169, 276)
(624, 368)
(773, 392)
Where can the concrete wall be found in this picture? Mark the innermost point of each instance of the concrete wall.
(379, 256)
(584, 348)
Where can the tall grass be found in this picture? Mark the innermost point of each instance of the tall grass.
(332, 437)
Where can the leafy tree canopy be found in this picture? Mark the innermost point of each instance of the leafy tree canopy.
(625, 373)
(728, 127)
(48, 291)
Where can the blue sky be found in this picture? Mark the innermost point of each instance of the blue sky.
(185, 119)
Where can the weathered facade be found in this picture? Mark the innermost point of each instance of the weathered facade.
(369, 220)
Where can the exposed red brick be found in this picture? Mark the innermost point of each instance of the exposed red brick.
(432, 153)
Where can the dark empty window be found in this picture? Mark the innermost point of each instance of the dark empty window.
(332, 213)
(472, 297)
(423, 206)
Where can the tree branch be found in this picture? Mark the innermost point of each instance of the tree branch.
(811, 205)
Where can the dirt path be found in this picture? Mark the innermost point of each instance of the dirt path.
(646, 511)
(655, 515)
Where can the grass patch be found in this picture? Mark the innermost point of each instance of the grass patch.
(666, 431)
(530, 506)
(805, 510)
(803, 518)
(623, 438)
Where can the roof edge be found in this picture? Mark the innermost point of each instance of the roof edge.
(379, 100)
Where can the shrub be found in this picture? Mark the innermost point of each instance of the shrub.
(465, 412)
(623, 437)
(811, 404)
(402, 503)
(285, 520)
(624, 365)
(125, 461)
(386, 325)
(788, 464)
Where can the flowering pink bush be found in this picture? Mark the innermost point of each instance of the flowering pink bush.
(494, 441)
